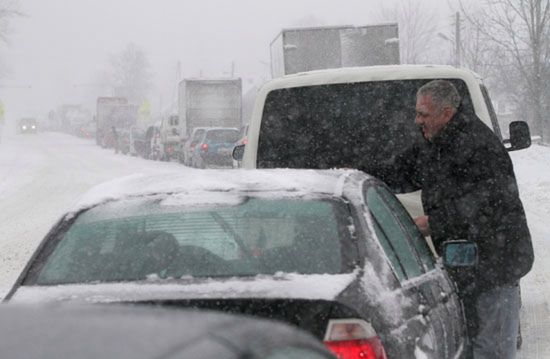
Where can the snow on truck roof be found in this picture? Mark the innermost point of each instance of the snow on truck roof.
(370, 73)
(209, 186)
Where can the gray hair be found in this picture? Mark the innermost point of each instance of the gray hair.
(442, 92)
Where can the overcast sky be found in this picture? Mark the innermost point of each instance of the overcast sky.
(61, 47)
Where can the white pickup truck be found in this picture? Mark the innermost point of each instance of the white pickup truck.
(338, 117)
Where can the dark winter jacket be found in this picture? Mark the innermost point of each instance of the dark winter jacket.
(469, 191)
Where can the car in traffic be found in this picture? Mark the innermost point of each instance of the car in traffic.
(27, 125)
(87, 130)
(189, 145)
(344, 117)
(330, 251)
(214, 147)
(124, 332)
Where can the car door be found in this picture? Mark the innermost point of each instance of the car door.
(450, 307)
(416, 270)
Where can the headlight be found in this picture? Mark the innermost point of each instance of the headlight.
(24, 127)
(33, 127)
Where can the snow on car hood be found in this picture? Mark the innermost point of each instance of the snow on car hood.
(287, 285)
(216, 181)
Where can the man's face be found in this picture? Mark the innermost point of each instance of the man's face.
(429, 117)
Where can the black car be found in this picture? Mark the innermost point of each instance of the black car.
(123, 332)
(330, 251)
(27, 125)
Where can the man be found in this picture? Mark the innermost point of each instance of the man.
(469, 191)
(114, 133)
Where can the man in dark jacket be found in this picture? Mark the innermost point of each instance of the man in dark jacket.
(469, 191)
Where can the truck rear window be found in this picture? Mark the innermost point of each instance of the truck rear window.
(339, 125)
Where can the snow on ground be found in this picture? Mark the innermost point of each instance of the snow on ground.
(532, 167)
(42, 175)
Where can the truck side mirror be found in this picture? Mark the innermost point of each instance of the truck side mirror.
(238, 152)
(460, 253)
(520, 136)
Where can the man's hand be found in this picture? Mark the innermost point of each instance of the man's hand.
(423, 225)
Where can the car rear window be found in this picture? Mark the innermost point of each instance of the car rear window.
(133, 240)
(340, 125)
(222, 136)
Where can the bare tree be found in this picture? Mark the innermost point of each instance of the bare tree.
(130, 73)
(520, 31)
(417, 28)
(8, 10)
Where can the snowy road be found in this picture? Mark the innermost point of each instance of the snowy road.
(41, 175)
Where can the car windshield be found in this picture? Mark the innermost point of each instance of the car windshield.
(338, 125)
(167, 238)
(222, 136)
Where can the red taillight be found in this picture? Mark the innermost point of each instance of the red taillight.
(360, 349)
(353, 339)
(204, 147)
(245, 141)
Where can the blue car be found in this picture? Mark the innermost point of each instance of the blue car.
(215, 147)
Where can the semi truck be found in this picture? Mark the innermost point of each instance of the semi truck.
(315, 48)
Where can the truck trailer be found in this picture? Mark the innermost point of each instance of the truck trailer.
(209, 103)
(316, 48)
(113, 113)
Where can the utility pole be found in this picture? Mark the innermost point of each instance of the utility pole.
(457, 40)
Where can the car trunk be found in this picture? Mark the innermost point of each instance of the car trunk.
(311, 315)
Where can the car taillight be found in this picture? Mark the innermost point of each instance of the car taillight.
(204, 147)
(245, 141)
(353, 338)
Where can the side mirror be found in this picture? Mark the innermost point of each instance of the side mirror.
(520, 136)
(238, 152)
(460, 253)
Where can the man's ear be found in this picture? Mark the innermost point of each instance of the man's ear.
(449, 112)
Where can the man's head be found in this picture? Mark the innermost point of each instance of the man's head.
(436, 103)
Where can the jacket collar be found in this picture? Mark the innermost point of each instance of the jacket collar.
(450, 130)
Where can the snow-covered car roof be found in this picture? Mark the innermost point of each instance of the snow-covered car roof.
(216, 182)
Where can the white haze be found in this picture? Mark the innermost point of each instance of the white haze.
(60, 48)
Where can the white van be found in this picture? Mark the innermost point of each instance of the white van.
(340, 117)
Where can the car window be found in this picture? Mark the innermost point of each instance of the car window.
(340, 125)
(409, 227)
(133, 240)
(390, 252)
(491, 109)
(393, 238)
(197, 136)
(222, 136)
